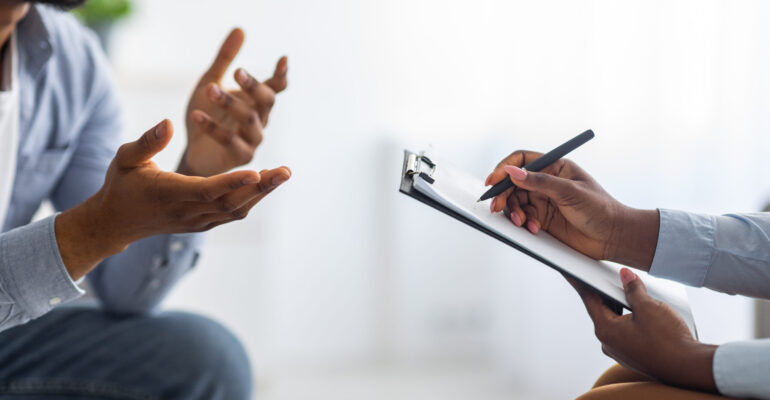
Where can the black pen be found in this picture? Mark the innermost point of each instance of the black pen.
(542, 162)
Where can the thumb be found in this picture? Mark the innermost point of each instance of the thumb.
(636, 292)
(143, 149)
(552, 186)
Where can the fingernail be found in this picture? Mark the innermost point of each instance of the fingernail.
(516, 173)
(492, 205)
(251, 180)
(626, 276)
(515, 218)
(198, 118)
(160, 130)
(241, 76)
(279, 179)
(532, 226)
(215, 92)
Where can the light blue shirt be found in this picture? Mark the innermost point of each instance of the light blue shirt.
(70, 129)
(730, 254)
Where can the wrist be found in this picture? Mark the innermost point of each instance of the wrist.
(84, 237)
(634, 238)
(694, 368)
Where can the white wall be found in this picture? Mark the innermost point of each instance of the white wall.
(336, 270)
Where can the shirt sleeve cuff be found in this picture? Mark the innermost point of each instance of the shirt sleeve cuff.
(685, 247)
(740, 369)
(32, 271)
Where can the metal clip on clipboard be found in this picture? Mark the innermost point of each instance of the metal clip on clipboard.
(414, 167)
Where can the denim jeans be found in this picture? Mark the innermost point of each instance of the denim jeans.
(84, 353)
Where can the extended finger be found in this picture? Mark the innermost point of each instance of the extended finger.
(230, 138)
(248, 118)
(172, 187)
(236, 199)
(263, 94)
(279, 81)
(143, 149)
(518, 158)
(227, 52)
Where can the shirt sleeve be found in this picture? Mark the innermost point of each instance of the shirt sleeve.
(33, 278)
(728, 253)
(136, 280)
(740, 369)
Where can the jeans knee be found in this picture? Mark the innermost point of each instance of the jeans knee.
(208, 354)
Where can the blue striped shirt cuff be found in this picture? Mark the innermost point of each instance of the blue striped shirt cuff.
(32, 271)
(685, 247)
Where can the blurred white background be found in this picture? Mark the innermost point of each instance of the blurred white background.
(341, 287)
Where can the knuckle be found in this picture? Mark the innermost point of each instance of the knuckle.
(270, 99)
(603, 333)
(246, 157)
(122, 150)
(205, 195)
(226, 205)
(239, 214)
(251, 84)
(209, 126)
(538, 178)
(227, 100)
(252, 118)
(144, 142)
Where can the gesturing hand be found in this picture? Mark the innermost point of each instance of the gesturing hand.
(569, 204)
(224, 127)
(652, 339)
(139, 200)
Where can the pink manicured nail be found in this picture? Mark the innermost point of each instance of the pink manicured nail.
(626, 276)
(492, 205)
(515, 218)
(516, 173)
(532, 226)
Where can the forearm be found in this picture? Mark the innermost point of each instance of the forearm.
(636, 238)
(693, 368)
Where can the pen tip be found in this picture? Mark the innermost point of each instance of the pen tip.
(479, 201)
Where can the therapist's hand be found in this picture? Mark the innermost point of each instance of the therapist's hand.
(224, 126)
(569, 204)
(139, 200)
(652, 339)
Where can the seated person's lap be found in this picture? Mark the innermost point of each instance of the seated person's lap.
(84, 353)
(621, 383)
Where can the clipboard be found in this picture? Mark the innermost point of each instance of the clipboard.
(420, 170)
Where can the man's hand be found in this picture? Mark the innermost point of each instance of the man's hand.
(224, 127)
(566, 202)
(652, 339)
(139, 200)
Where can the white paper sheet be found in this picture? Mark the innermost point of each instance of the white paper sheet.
(459, 191)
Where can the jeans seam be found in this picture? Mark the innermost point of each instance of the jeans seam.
(100, 389)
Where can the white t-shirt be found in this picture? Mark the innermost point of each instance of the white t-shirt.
(9, 124)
